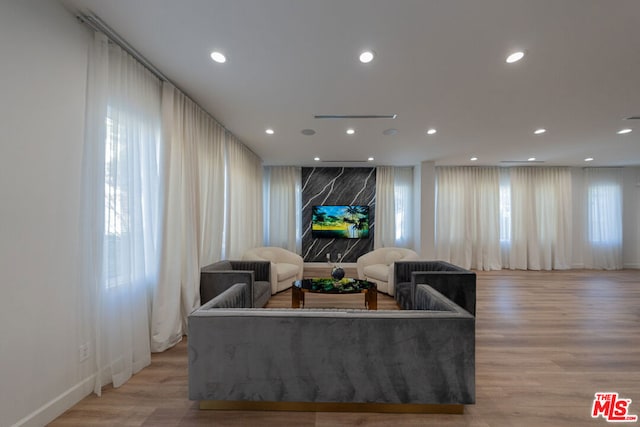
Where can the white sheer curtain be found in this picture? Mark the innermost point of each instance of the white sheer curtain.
(603, 234)
(467, 217)
(403, 186)
(194, 212)
(244, 200)
(120, 212)
(394, 207)
(385, 226)
(540, 219)
(283, 207)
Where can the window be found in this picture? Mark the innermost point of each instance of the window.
(604, 213)
(505, 210)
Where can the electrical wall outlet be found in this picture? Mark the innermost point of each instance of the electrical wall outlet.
(83, 352)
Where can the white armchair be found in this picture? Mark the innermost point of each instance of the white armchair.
(377, 266)
(286, 266)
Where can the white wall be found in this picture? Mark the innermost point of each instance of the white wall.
(42, 96)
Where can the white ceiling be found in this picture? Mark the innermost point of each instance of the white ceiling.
(439, 63)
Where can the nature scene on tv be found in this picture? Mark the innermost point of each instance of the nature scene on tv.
(350, 222)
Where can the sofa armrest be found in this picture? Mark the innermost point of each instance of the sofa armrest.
(213, 283)
(237, 296)
(458, 286)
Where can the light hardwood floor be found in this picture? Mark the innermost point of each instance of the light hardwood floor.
(545, 343)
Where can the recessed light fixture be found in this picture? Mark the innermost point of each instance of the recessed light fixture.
(531, 159)
(317, 159)
(588, 159)
(269, 131)
(218, 57)
(540, 131)
(308, 132)
(431, 131)
(370, 159)
(366, 56)
(473, 159)
(515, 57)
(390, 131)
(624, 131)
(351, 131)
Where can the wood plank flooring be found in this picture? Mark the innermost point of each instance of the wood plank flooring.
(545, 343)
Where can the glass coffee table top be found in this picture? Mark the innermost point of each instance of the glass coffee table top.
(331, 286)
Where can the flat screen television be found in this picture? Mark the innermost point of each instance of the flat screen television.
(340, 221)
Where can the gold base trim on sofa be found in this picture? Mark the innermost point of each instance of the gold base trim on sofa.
(242, 405)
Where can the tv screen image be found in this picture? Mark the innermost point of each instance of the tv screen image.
(347, 222)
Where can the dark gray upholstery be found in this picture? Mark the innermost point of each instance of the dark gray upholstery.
(218, 277)
(237, 296)
(455, 283)
(307, 355)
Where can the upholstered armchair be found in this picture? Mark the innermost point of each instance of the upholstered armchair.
(456, 283)
(377, 266)
(222, 275)
(286, 266)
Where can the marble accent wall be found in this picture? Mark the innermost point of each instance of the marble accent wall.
(336, 186)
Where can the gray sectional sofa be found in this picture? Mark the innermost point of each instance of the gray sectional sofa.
(424, 356)
(455, 283)
(218, 277)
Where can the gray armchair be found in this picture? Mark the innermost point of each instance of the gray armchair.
(456, 283)
(220, 276)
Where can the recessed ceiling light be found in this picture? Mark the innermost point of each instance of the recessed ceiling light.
(218, 57)
(473, 159)
(540, 131)
(366, 56)
(515, 57)
(623, 131)
(390, 131)
(269, 131)
(431, 131)
(317, 159)
(588, 159)
(308, 132)
(531, 159)
(350, 131)
(370, 159)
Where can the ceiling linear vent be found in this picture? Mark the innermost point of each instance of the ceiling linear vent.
(355, 116)
(521, 161)
(633, 118)
(345, 161)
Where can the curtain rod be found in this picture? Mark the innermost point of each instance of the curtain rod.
(97, 24)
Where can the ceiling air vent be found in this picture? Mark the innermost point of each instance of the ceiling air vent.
(633, 118)
(522, 161)
(355, 116)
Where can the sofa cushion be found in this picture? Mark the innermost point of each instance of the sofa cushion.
(286, 271)
(377, 272)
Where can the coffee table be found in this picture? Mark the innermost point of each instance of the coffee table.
(330, 286)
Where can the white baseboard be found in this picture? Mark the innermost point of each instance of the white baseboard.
(633, 265)
(56, 407)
